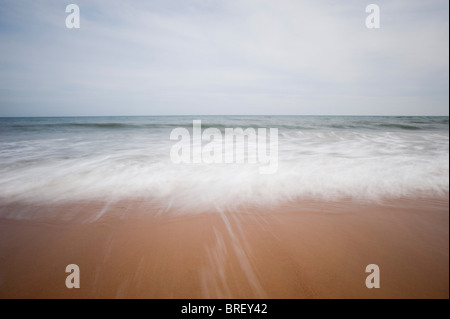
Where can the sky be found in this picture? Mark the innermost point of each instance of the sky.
(214, 57)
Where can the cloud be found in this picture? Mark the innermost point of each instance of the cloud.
(223, 57)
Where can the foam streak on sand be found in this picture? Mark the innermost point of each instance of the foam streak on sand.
(304, 250)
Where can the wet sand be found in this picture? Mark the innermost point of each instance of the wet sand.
(301, 250)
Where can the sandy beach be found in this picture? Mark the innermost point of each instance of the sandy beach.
(300, 250)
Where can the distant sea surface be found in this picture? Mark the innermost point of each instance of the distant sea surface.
(319, 157)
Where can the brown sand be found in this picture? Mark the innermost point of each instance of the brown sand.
(306, 250)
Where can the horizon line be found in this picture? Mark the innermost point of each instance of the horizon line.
(191, 115)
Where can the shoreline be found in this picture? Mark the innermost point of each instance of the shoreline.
(299, 250)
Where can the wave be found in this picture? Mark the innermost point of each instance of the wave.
(327, 171)
(399, 126)
(124, 126)
(205, 125)
(281, 122)
(76, 125)
(200, 188)
(325, 158)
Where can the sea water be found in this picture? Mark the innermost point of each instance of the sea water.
(65, 159)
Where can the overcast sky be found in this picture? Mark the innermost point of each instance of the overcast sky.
(224, 57)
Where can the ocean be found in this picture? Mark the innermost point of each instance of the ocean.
(67, 159)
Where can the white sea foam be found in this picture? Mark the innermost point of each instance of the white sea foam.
(325, 164)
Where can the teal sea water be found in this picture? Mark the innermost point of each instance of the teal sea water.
(323, 157)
